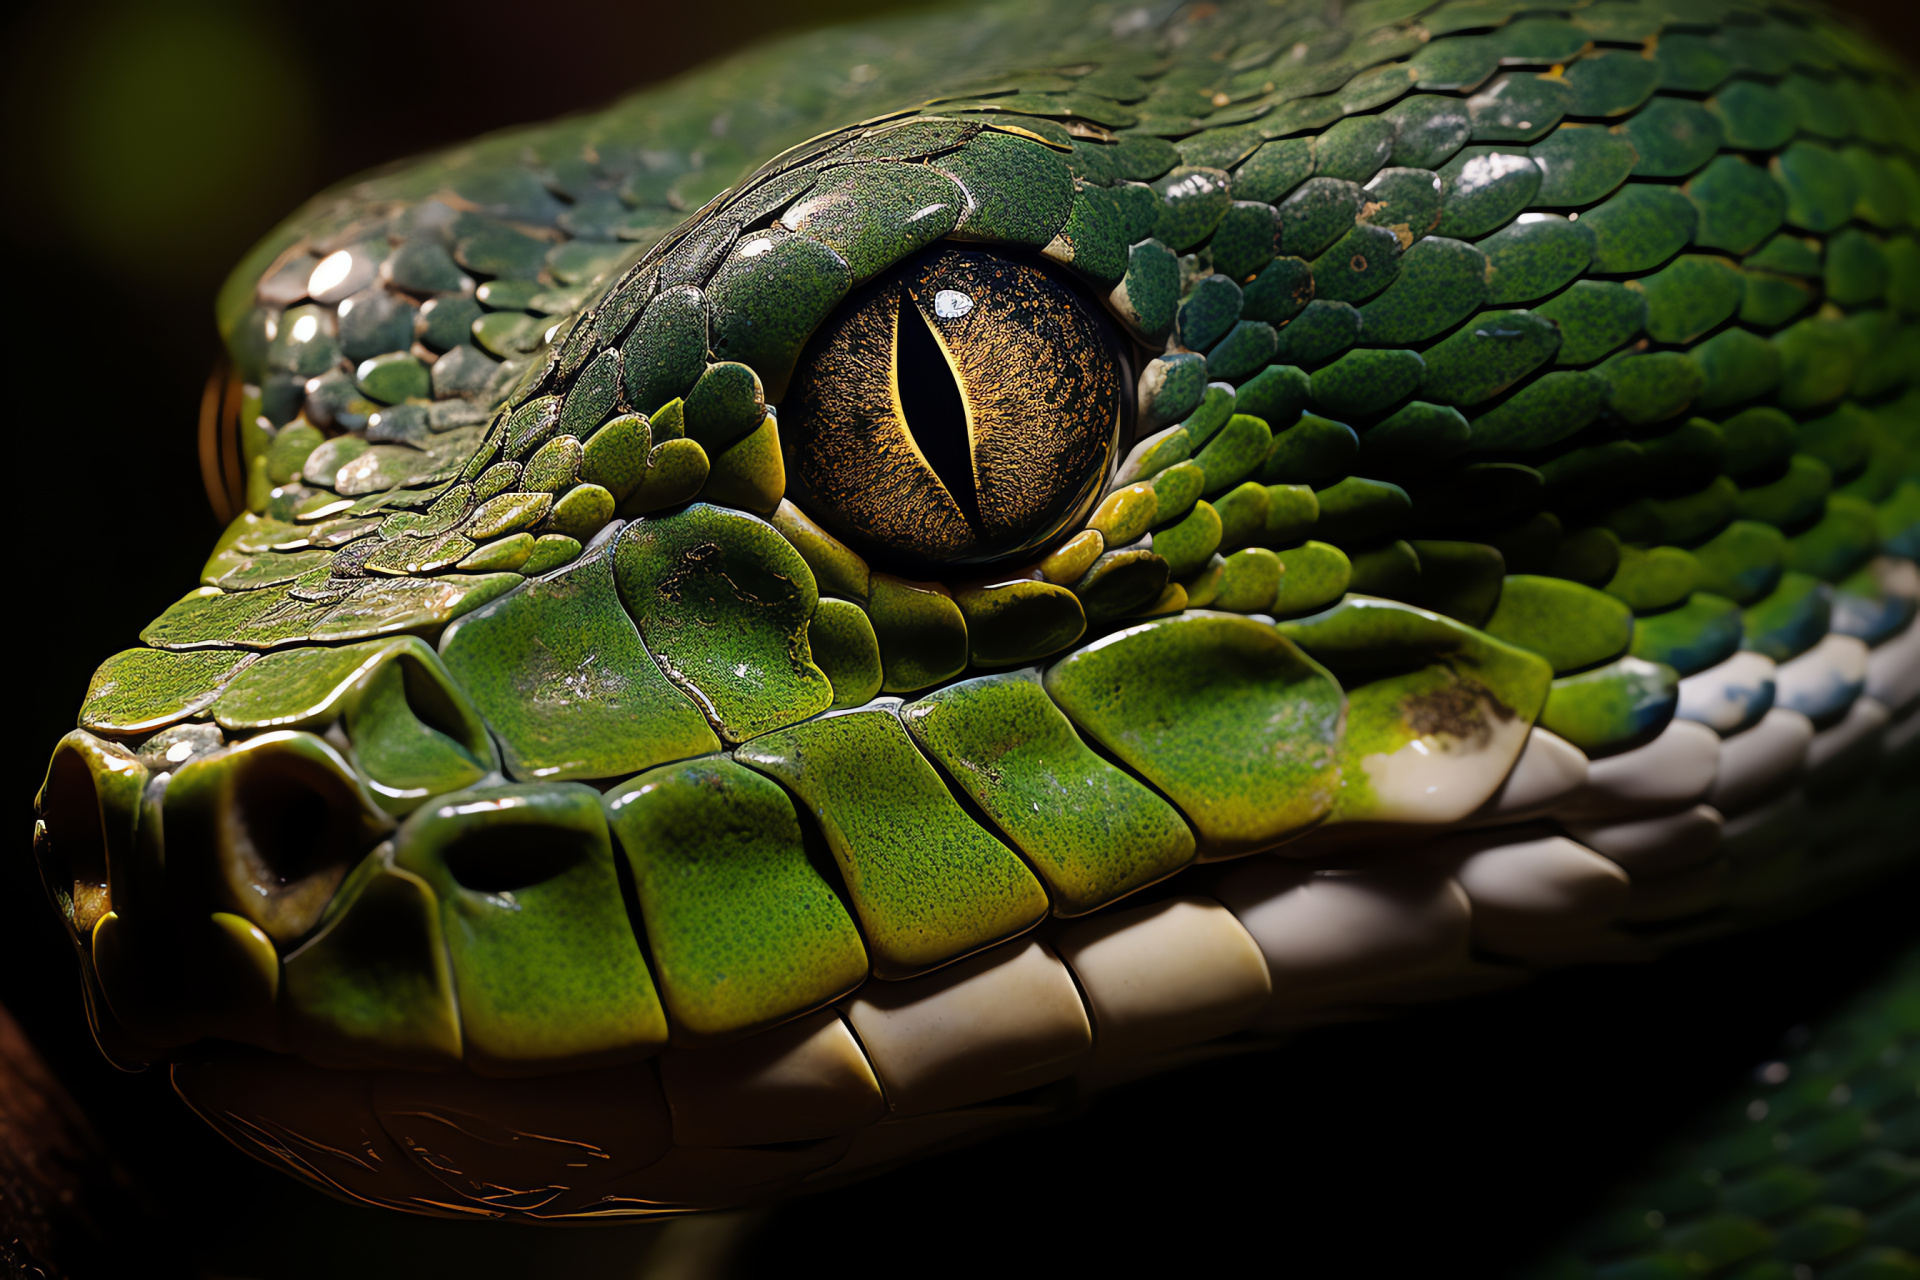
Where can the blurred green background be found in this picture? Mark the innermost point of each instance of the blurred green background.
(148, 146)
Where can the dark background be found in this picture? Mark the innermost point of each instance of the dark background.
(148, 147)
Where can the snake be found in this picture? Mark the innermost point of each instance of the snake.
(856, 598)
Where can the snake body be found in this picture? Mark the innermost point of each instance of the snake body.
(846, 601)
(1811, 1167)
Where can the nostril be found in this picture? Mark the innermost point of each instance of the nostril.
(268, 829)
(282, 823)
(88, 804)
(76, 845)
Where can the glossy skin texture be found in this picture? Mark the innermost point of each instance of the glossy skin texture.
(1493, 390)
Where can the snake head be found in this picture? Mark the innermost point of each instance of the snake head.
(736, 659)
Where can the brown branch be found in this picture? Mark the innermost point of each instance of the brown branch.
(67, 1210)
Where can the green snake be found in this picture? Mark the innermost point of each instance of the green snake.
(932, 568)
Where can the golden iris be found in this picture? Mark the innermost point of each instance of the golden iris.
(962, 409)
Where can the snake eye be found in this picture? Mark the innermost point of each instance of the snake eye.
(962, 409)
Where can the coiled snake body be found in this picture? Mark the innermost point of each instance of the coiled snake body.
(751, 646)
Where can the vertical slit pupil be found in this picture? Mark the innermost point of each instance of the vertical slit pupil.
(930, 398)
